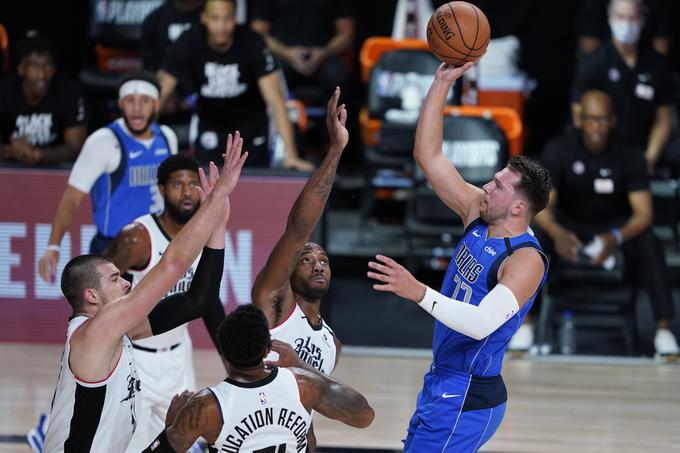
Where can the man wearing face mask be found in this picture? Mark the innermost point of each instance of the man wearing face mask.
(636, 77)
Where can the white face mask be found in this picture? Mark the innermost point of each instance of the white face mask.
(625, 32)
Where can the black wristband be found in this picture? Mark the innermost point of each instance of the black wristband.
(160, 445)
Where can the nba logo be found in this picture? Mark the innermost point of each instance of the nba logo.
(263, 398)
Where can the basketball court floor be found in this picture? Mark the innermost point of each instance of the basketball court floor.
(556, 404)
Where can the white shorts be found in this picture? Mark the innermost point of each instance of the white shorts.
(162, 376)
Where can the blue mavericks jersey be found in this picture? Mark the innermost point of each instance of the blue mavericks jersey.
(471, 275)
(130, 191)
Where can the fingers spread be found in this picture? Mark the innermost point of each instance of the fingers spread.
(379, 267)
(386, 260)
(380, 277)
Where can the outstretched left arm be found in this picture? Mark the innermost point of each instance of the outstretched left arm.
(519, 278)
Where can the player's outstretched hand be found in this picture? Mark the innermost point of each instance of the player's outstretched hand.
(178, 401)
(287, 355)
(48, 265)
(449, 73)
(233, 161)
(336, 117)
(395, 278)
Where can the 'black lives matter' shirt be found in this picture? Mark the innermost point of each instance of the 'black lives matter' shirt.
(593, 188)
(43, 125)
(226, 83)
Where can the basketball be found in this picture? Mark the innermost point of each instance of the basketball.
(458, 32)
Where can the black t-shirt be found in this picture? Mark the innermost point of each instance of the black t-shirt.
(163, 27)
(636, 92)
(593, 188)
(226, 83)
(43, 124)
(302, 22)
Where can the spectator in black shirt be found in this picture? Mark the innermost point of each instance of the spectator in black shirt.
(601, 189)
(42, 116)
(164, 26)
(307, 36)
(160, 30)
(637, 78)
(236, 78)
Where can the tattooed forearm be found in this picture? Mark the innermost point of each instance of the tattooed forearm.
(192, 421)
(324, 188)
(334, 399)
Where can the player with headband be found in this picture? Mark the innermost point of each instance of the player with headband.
(117, 167)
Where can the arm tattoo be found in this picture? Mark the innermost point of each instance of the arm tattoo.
(192, 422)
(323, 189)
(338, 401)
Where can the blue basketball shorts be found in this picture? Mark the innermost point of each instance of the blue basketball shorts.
(455, 412)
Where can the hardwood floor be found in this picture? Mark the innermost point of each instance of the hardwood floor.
(555, 405)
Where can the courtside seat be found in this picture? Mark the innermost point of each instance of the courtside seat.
(599, 299)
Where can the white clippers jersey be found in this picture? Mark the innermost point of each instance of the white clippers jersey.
(159, 242)
(265, 415)
(93, 417)
(314, 345)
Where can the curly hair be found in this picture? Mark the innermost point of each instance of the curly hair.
(175, 163)
(244, 337)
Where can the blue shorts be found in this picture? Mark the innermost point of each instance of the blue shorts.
(99, 244)
(455, 412)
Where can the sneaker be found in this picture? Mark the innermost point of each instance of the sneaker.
(36, 436)
(665, 343)
(523, 339)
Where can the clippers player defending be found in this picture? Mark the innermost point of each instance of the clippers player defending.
(297, 274)
(164, 362)
(258, 409)
(491, 282)
(94, 404)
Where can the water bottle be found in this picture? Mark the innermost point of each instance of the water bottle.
(567, 333)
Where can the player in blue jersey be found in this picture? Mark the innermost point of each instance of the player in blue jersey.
(117, 167)
(492, 279)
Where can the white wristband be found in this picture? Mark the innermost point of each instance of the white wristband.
(53, 248)
(429, 300)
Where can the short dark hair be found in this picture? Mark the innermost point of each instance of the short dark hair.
(174, 163)
(79, 274)
(34, 42)
(535, 182)
(244, 337)
(139, 75)
(205, 3)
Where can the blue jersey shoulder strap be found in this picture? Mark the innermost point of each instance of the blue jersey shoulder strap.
(492, 275)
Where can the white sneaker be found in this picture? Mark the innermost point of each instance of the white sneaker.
(523, 339)
(665, 343)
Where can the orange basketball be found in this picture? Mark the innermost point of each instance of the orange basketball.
(458, 32)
